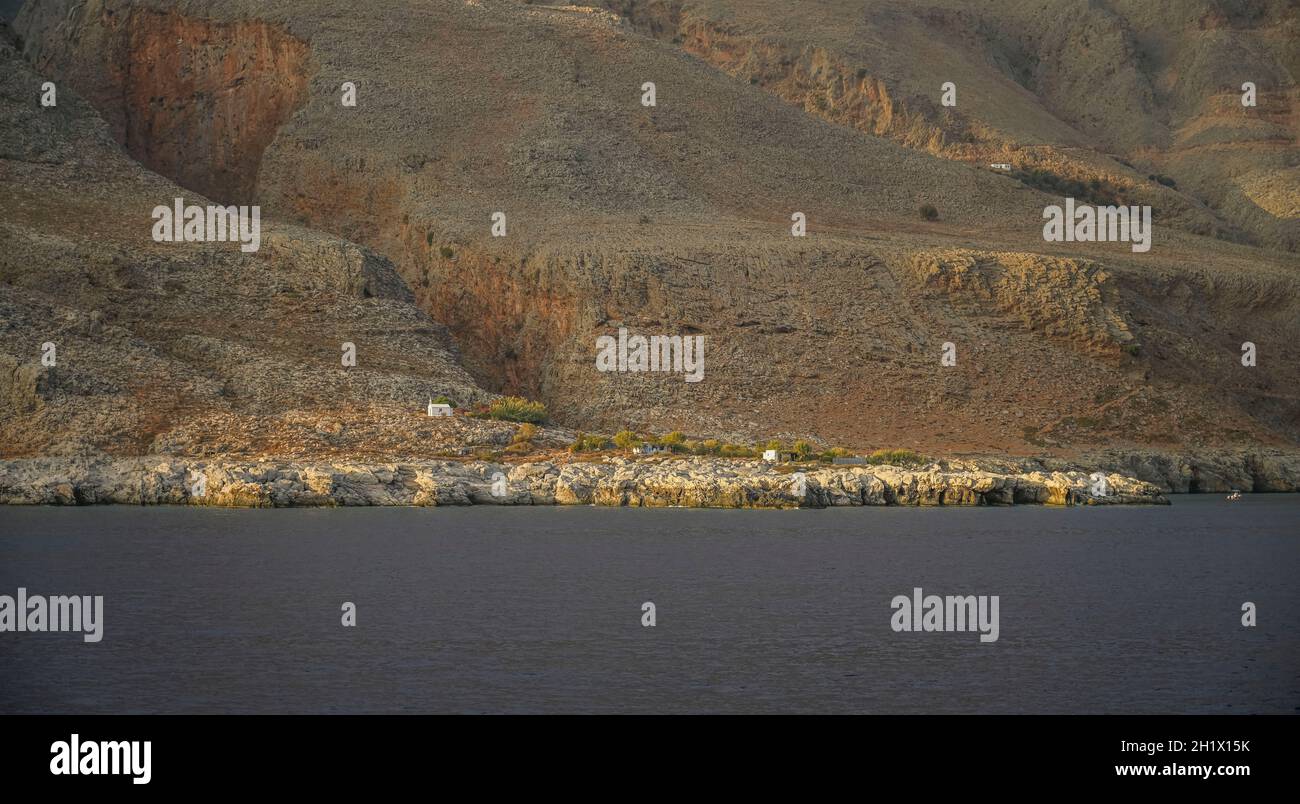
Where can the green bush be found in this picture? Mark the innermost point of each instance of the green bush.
(674, 441)
(588, 443)
(803, 450)
(1095, 191)
(443, 400)
(515, 409)
(929, 213)
(626, 439)
(447, 252)
(831, 454)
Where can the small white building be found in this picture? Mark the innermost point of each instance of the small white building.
(438, 409)
(647, 449)
(772, 455)
(1000, 166)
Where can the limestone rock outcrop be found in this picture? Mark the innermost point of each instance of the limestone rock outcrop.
(691, 483)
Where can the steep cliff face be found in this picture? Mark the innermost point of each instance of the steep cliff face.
(193, 99)
(675, 219)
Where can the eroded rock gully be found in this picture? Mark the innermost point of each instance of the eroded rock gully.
(196, 100)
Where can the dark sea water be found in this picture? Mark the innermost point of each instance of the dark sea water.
(1123, 610)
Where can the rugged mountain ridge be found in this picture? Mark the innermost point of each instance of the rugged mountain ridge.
(1119, 93)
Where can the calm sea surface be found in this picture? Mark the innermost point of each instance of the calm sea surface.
(539, 609)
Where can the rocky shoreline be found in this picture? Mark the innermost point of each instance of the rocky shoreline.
(688, 482)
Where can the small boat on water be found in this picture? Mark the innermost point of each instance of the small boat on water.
(1234, 496)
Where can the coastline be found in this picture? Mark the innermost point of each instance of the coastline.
(693, 482)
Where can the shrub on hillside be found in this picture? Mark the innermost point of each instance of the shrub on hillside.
(674, 441)
(1095, 191)
(515, 409)
(588, 443)
(525, 434)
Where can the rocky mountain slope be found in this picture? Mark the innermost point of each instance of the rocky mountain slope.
(183, 347)
(675, 219)
(1121, 92)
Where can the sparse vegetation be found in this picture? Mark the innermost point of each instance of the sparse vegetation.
(677, 442)
(895, 457)
(831, 454)
(447, 252)
(674, 441)
(443, 400)
(1094, 191)
(1106, 394)
(525, 434)
(589, 443)
(1032, 435)
(929, 212)
(514, 409)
